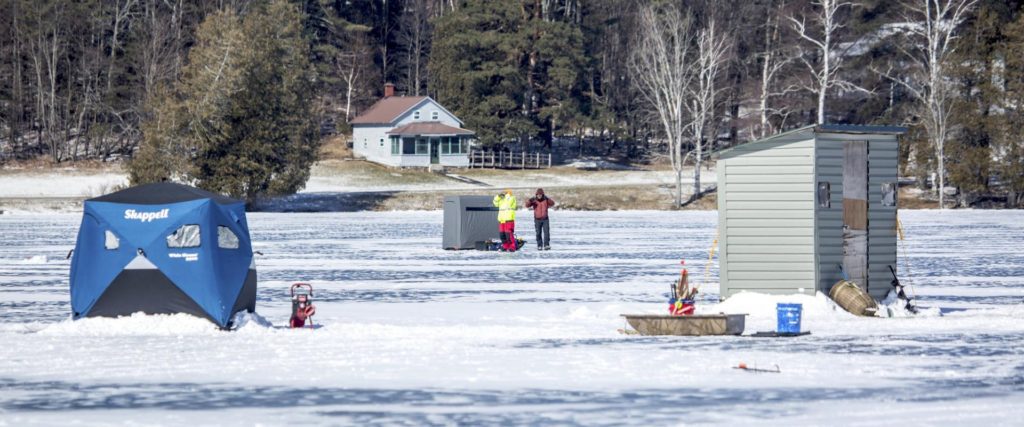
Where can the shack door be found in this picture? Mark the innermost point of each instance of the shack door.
(855, 212)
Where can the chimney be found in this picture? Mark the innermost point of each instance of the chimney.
(389, 90)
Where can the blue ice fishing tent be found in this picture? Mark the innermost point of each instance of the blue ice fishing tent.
(163, 248)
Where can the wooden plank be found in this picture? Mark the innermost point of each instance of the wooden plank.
(855, 213)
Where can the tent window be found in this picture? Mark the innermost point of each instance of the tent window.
(111, 242)
(888, 194)
(226, 239)
(186, 236)
(824, 194)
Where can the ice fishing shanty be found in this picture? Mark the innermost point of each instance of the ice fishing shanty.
(163, 248)
(794, 207)
(469, 221)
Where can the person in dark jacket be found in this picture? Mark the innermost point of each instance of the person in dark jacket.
(540, 205)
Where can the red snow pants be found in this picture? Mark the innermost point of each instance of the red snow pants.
(507, 231)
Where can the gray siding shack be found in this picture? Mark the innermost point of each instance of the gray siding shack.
(776, 236)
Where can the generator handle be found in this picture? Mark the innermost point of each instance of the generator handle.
(302, 285)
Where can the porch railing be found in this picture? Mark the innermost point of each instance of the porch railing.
(509, 160)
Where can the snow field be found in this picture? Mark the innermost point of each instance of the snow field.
(414, 335)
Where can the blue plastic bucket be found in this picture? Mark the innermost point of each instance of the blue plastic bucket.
(789, 318)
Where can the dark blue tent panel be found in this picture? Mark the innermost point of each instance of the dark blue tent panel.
(163, 248)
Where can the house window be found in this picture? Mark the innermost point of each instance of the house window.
(451, 145)
(416, 115)
(433, 115)
(454, 145)
(186, 236)
(396, 146)
(408, 146)
(111, 242)
(382, 142)
(888, 194)
(226, 239)
(364, 142)
(422, 146)
(824, 194)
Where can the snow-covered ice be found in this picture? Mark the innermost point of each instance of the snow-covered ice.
(414, 335)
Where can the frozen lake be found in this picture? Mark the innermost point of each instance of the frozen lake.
(415, 335)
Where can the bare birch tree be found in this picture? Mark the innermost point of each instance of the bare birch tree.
(775, 58)
(712, 46)
(931, 31)
(414, 35)
(662, 71)
(824, 74)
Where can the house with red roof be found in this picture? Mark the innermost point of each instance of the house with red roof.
(410, 131)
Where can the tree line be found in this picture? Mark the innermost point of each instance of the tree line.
(237, 94)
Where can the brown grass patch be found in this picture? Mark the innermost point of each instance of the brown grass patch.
(335, 148)
(909, 199)
(610, 198)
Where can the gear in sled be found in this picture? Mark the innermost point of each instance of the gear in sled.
(302, 305)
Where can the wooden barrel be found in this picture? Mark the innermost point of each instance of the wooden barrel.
(852, 298)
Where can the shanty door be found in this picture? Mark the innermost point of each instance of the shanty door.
(855, 211)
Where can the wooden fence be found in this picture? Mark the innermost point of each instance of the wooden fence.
(509, 160)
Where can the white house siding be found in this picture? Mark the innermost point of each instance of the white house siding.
(882, 168)
(366, 143)
(766, 216)
(366, 138)
(426, 110)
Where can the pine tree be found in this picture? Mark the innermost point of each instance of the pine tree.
(1010, 140)
(509, 70)
(243, 112)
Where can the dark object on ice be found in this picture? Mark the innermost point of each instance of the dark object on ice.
(743, 366)
(713, 324)
(488, 245)
(773, 334)
(467, 221)
(302, 305)
(900, 294)
(163, 248)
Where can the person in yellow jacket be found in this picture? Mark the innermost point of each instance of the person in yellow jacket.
(506, 204)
